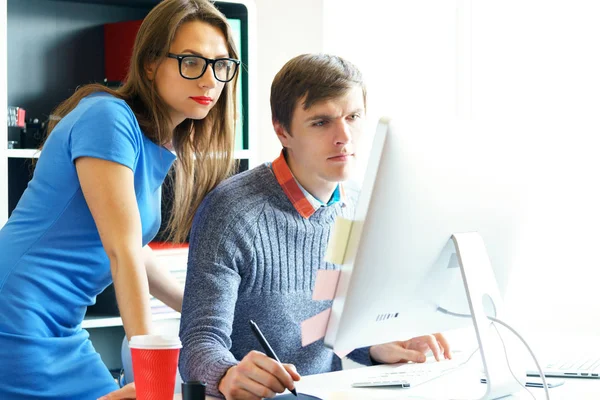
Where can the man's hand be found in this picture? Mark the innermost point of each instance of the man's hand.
(126, 392)
(411, 350)
(256, 377)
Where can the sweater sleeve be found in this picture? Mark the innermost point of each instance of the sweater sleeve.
(361, 356)
(206, 320)
(217, 252)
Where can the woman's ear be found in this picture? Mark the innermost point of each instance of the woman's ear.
(150, 70)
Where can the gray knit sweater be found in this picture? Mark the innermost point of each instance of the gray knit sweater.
(253, 256)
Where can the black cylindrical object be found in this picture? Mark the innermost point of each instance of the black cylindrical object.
(195, 390)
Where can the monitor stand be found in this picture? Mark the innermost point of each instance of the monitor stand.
(484, 300)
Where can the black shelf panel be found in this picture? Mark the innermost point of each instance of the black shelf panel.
(232, 10)
(122, 3)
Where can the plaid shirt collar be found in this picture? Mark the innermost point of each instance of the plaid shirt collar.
(305, 203)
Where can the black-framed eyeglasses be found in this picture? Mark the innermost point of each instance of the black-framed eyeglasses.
(193, 66)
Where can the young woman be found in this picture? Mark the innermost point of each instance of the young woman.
(94, 201)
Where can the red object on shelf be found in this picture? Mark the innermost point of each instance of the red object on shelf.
(21, 118)
(167, 245)
(119, 38)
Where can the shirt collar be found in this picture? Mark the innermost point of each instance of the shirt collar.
(305, 203)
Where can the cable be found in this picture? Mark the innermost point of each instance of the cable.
(504, 324)
(508, 362)
(537, 364)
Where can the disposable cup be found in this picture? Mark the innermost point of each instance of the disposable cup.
(154, 359)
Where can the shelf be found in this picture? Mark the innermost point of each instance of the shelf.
(122, 3)
(35, 153)
(104, 322)
(242, 154)
(23, 153)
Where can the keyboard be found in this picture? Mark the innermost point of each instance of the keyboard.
(407, 375)
(577, 367)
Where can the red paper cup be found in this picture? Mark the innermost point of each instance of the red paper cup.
(154, 359)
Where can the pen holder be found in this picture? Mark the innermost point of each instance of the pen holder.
(193, 390)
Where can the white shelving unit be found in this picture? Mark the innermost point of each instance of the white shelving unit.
(22, 153)
(107, 332)
(105, 322)
(35, 153)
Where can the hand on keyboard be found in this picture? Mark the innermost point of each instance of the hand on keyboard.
(412, 350)
(411, 374)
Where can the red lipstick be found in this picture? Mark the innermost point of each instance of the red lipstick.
(204, 100)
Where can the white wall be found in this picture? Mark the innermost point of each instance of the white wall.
(513, 60)
(406, 52)
(536, 59)
(405, 49)
(286, 28)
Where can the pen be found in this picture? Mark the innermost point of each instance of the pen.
(266, 346)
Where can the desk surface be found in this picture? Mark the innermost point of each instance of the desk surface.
(457, 384)
(462, 383)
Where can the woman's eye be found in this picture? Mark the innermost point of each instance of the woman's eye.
(190, 62)
(220, 65)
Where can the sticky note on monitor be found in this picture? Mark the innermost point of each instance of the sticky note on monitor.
(315, 327)
(336, 248)
(325, 284)
(342, 353)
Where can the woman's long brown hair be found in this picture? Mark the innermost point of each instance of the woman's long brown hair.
(204, 147)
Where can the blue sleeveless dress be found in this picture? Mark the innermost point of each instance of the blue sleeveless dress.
(52, 263)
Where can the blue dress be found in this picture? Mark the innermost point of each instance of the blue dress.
(52, 263)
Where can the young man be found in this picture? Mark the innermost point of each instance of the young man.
(259, 238)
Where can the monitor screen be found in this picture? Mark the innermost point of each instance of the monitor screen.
(424, 182)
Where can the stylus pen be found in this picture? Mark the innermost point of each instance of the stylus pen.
(266, 346)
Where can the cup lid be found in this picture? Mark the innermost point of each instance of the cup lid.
(155, 342)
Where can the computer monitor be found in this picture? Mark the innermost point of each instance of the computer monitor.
(439, 210)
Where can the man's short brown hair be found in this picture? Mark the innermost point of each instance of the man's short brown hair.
(311, 78)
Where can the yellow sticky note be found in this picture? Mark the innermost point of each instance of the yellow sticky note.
(336, 248)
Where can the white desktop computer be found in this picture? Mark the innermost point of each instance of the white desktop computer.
(433, 240)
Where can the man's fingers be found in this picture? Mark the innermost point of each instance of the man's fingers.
(250, 369)
(291, 369)
(264, 378)
(435, 348)
(444, 345)
(432, 343)
(411, 355)
(256, 389)
(275, 369)
(239, 393)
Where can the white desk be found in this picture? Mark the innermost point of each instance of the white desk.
(463, 383)
(460, 384)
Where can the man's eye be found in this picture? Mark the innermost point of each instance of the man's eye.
(319, 123)
(354, 117)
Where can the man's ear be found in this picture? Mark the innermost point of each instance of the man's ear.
(281, 133)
